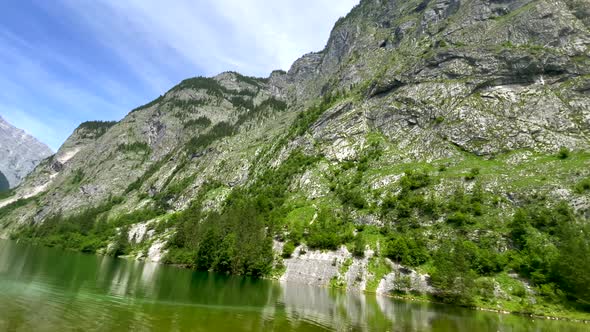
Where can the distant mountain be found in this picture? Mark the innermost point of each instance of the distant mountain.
(4, 185)
(20, 152)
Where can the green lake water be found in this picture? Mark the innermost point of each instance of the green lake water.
(44, 289)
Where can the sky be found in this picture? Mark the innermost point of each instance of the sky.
(63, 62)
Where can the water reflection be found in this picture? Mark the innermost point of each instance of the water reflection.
(45, 289)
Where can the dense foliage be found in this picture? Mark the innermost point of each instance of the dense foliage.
(245, 226)
(200, 123)
(234, 241)
(217, 132)
(89, 230)
(135, 147)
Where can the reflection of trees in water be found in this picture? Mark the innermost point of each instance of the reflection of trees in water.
(334, 309)
(59, 290)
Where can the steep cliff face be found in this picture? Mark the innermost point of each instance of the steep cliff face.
(423, 120)
(20, 153)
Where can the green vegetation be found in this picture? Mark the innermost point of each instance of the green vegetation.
(89, 230)
(187, 104)
(473, 173)
(135, 147)
(6, 210)
(583, 186)
(234, 241)
(268, 105)
(453, 274)
(329, 231)
(211, 86)
(200, 123)
(305, 119)
(99, 128)
(224, 129)
(256, 81)
(245, 226)
(288, 249)
(359, 245)
(217, 132)
(78, 176)
(136, 185)
(563, 153)
(450, 218)
(6, 194)
(408, 249)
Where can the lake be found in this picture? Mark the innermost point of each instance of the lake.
(47, 289)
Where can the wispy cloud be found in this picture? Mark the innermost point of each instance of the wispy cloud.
(83, 60)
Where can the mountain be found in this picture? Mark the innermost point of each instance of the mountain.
(435, 149)
(4, 185)
(21, 153)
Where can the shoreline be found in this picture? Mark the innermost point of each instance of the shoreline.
(476, 308)
(344, 290)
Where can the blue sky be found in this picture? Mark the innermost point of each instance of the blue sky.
(63, 62)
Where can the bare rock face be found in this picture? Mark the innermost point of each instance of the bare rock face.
(20, 152)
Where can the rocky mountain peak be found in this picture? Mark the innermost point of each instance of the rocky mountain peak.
(20, 152)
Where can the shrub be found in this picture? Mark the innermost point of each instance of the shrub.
(288, 249)
(219, 131)
(402, 283)
(571, 269)
(413, 180)
(407, 249)
(352, 197)
(459, 219)
(329, 232)
(78, 176)
(583, 186)
(121, 245)
(453, 275)
(563, 153)
(200, 122)
(473, 173)
(358, 248)
(135, 147)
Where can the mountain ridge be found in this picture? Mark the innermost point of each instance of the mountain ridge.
(21, 152)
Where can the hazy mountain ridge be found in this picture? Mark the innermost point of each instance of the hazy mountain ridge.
(21, 153)
(421, 120)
